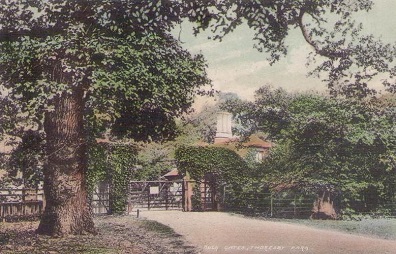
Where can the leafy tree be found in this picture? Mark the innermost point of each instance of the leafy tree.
(155, 160)
(8, 115)
(25, 144)
(63, 59)
(205, 121)
(345, 57)
(7, 112)
(271, 107)
(28, 158)
(268, 113)
(337, 148)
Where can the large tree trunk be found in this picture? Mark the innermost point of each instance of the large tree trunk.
(67, 210)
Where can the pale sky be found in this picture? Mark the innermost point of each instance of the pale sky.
(235, 66)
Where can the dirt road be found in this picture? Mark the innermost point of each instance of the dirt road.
(215, 232)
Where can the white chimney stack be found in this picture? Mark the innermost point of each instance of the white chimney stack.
(223, 132)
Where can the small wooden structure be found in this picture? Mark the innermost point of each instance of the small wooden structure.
(25, 204)
(21, 204)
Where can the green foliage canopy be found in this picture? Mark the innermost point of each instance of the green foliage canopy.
(347, 147)
(126, 64)
(83, 33)
(343, 55)
(27, 158)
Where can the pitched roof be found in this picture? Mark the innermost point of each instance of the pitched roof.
(241, 148)
(173, 172)
(256, 141)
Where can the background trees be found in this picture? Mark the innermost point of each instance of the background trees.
(341, 149)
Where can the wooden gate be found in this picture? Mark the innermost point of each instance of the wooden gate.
(100, 198)
(159, 195)
(208, 196)
(209, 193)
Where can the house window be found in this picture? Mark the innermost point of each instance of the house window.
(259, 156)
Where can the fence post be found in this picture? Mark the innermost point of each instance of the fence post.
(2, 212)
(166, 197)
(295, 206)
(23, 208)
(129, 205)
(272, 207)
(148, 198)
(224, 194)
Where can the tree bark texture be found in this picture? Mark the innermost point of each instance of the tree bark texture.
(67, 210)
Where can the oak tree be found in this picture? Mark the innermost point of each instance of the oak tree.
(66, 62)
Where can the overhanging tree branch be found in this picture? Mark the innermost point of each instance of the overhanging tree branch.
(326, 52)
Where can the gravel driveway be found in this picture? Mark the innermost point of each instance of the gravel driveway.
(216, 232)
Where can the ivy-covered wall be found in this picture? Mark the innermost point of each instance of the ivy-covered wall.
(112, 163)
(225, 166)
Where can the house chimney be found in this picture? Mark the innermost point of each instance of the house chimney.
(223, 132)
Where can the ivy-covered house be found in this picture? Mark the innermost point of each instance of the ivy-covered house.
(214, 166)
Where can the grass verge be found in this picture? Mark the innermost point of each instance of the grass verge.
(384, 228)
(158, 228)
(116, 234)
(381, 228)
